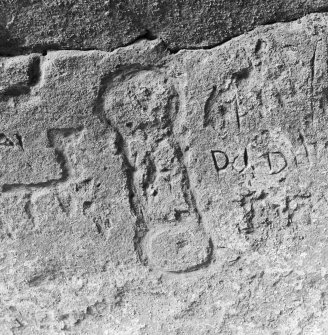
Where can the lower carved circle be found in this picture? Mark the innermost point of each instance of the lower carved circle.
(179, 249)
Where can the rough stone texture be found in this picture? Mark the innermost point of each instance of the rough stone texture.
(36, 25)
(145, 192)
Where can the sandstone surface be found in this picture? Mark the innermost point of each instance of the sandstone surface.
(151, 192)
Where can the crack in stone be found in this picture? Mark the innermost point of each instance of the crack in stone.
(148, 35)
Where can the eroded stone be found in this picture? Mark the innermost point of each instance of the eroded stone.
(18, 73)
(39, 25)
(148, 191)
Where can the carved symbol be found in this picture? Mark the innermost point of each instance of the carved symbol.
(276, 161)
(208, 108)
(220, 159)
(5, 141)
(15, 141)
(240, 162)
(56, 138)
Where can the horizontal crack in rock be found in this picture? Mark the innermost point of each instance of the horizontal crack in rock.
(149, 36)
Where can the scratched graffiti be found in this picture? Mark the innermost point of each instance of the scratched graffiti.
(275, 161)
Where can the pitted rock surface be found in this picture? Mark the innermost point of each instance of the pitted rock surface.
(145, 192)
(38, 25)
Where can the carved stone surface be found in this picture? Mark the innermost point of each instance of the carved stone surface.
(150, 192)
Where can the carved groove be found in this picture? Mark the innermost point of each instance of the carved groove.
(216, 164)
(61, 158)
(208, 108)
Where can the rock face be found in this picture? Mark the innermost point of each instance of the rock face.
(151, 192)
(37, 25)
